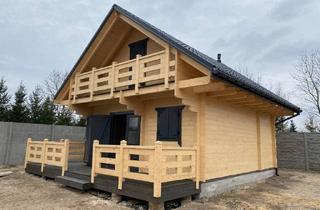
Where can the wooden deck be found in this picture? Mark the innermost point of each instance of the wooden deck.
(131, 188)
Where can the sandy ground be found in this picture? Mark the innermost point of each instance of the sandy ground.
(291, 190)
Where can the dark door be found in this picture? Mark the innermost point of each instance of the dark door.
(133, 129)
(133, 136)
(98, 127)
(139, 47)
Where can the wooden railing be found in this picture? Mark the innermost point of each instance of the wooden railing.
(155, 164)
(152, 68)
(53, 153)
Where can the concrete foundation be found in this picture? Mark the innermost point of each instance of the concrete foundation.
(218, 186)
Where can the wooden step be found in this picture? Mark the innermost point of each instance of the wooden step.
(77, 175)
(72, 182)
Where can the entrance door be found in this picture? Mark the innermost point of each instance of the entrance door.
(98, 127)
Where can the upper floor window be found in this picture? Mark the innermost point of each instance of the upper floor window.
(169, 124)
(139, 47)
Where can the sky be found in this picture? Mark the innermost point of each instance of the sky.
(266, 37)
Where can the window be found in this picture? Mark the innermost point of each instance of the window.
(139, 47)
(169, 123)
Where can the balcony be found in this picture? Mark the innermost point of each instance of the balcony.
(130, 76)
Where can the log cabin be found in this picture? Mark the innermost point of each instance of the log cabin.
(164, 121)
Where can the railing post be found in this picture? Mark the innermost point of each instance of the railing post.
(137, 74)
(66, 156)
(43, 156)
(91, 86)
(123, 144)
(157, 169)
(197, 166)
(93, 165)
(112, 78)
(75, 88)
(166, 67)
(27, 152)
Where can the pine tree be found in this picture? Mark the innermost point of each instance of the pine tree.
(293, 127)
(47, 115)
(63, 116)
(311, 125)
(35, 102)
(4, 100)
(19, 110)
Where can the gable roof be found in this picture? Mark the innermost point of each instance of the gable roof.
(218, 69)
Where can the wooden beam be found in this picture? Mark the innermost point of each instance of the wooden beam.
(194, 82)
(227, 92)
(212, 86)
(99, 41)
(195, 64)
(142, 30)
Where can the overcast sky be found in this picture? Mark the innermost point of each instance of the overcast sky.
(264, 36)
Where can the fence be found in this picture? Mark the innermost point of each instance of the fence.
(299, 151)
(13, 138)
(155, 164)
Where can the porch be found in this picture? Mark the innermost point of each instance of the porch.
(152, 173)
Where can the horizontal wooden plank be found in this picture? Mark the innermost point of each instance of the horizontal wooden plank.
(194, 82)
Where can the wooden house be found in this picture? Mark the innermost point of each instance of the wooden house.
(164, 121)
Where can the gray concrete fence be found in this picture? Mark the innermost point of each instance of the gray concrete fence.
(13, 138)
(299, 151)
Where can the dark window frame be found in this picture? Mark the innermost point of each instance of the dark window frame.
(165, 128)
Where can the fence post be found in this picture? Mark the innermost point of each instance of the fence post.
(121, 158)
(66, 156)
(157, 169)
(27, 152)
(43, 157)
(93, 174)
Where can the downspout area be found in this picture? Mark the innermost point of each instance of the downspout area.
(288, 118)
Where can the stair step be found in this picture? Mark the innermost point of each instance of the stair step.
(72, 182)
(77, 175)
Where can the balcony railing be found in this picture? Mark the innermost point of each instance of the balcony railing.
(155, 164)
(156, 68)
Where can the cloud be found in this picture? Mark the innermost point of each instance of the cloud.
(266, 36)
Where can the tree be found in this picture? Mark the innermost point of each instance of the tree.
(35, 105)
(19, 110)
(293, 127)
(52, 84)
(47, 114)
(308, 79)
(311, 125)
(4, 100)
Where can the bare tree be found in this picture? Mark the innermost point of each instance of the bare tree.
(242, 69)
(51, 86)
(308, 79)
(53, 82)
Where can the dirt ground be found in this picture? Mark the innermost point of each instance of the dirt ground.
(291, 190)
